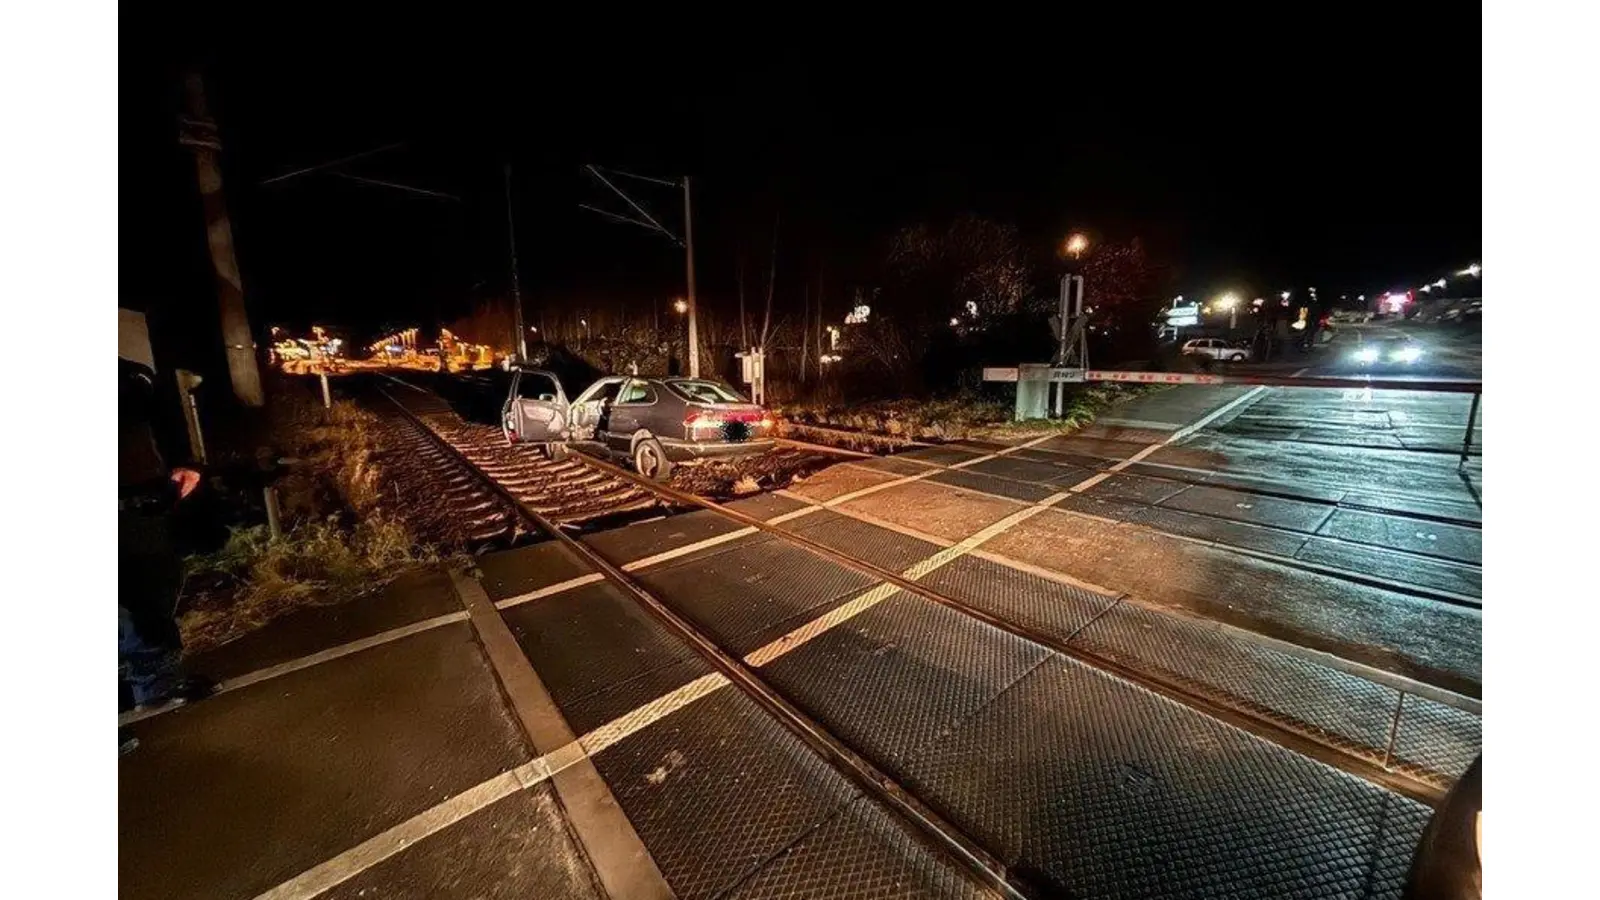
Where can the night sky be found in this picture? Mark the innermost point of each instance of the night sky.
(1345, 155)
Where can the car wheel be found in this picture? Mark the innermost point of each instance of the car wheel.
(650, 460)
(1237, 357)
(1446, 865)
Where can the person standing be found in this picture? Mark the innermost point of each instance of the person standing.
(149, 568)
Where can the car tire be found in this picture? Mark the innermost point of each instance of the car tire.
(1237, 357)
(1446, 864)
(650, 460)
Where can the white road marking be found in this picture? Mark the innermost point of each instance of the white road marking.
(907, 479)
(1001, 559)
(796, 513)
(1007, 451)
(306, 662)
(363, 856)
(644, 716)
(815, 628)
(821, 448)
(686, 549)
(1137, 424)
(871, 520)
(556, 588)
(1216, 414)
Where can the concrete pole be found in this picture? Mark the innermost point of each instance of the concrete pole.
(688, 244)
(198, 132)
(187, 382)
(521, 343)
(274, 516)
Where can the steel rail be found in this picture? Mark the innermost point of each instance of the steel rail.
(940, 833)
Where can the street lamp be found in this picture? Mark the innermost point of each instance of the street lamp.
(1472, 270)
(1439, 284)
(1230, 302)
(680, 306)
(1076, 244)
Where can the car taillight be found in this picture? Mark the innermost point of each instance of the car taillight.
(702, 420)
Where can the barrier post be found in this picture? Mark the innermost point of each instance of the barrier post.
(1472, 422)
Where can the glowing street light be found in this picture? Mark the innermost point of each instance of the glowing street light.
(1230, 302)
(680, 306)
(1439, 284)
(1472, 270)
(1076, 244)
(1283, 295)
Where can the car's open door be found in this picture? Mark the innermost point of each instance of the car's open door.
(536, 409)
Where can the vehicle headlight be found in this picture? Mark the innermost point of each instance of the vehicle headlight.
(1366, 354)
(1407, 354)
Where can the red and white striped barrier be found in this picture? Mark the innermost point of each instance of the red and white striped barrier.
(1445, 385)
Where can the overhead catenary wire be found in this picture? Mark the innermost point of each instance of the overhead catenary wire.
(332, 163)
(397, 186)
(653, 180)
(643, 213)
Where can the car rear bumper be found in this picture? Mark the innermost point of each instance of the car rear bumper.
(683, 451)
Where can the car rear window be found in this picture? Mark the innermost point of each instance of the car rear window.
(704, 392)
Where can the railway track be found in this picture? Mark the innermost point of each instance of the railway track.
(474, 448)
(445, 432)
(608, 494)
(567, 493)
(462, 509)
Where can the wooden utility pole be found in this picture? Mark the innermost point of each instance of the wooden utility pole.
(198, 132)
(688, 246)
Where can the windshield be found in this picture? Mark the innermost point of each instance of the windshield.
(704, 392)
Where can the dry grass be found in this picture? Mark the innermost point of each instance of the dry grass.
(254, 579)
(339, 542)
(966, 417)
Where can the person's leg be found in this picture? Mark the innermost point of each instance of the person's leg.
(150, 670)
(150, 575)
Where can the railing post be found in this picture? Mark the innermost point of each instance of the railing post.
(1472, 422)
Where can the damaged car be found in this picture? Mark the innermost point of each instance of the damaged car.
(654, 423)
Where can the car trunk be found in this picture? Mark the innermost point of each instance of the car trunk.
(725, 422)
